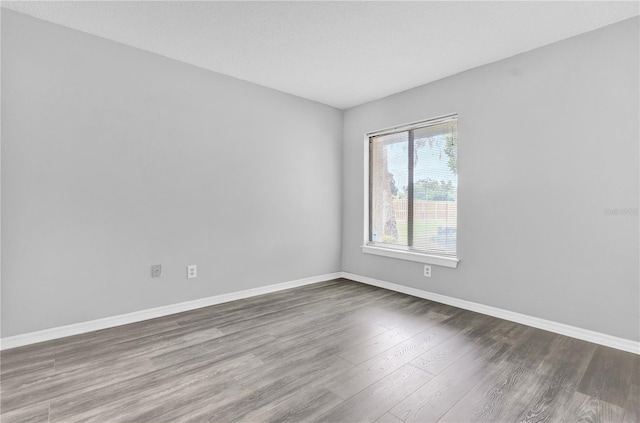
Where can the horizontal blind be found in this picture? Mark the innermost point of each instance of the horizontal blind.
(435, 188)
(389, 175)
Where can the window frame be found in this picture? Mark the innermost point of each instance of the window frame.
(402, 253)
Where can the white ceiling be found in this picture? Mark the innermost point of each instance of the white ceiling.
(338, 53)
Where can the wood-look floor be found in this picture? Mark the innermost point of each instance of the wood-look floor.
(336, 351)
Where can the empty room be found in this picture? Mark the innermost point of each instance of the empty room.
(317, 211)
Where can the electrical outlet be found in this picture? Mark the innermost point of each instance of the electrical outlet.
(192, 271)
(156, 271)
(427, 271)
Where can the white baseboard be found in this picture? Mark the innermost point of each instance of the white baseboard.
(137, 316)
(560, 328)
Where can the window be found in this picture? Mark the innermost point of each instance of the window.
(413, 192)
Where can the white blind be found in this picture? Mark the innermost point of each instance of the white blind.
(389, 178)
(413, 187)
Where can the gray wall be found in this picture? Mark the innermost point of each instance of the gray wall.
(114, 159)
(547, 140)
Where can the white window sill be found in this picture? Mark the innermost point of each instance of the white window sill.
(411, 256)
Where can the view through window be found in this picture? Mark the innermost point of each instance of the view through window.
(413, 187)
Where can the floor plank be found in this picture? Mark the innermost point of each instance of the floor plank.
(442, 356)
(388, 418)
(562, 369)
(310, 375)
(632, 407)
(169, 398)
(377, 399)
(295, 407)
(32, 414)
(388, 361)
(98, 400)
(435, 398)
(495, 398)
(586, 409)
(608, 376)
(378, 344)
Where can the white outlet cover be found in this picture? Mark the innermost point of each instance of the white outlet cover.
(427, 271)
(192, 271)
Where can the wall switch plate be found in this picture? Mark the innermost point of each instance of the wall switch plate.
(427, 271)
(156, 271)
(192, 271)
